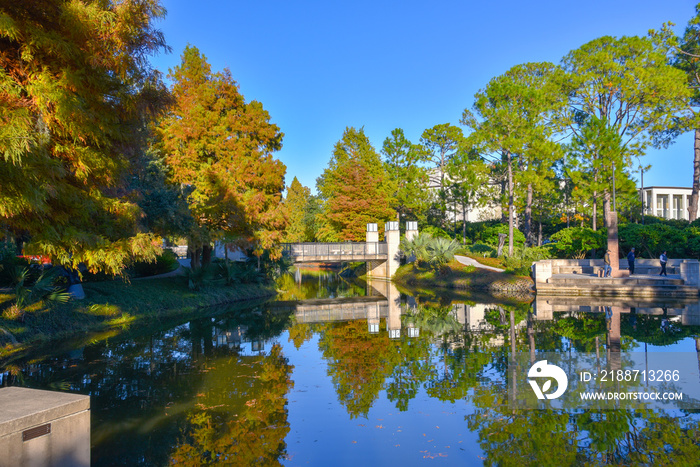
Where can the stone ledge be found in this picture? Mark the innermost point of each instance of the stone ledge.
(23, 408)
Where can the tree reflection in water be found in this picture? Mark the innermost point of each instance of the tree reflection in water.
(240, 416)
(207, 392)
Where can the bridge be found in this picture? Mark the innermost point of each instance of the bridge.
(382, 257)
(336, 252)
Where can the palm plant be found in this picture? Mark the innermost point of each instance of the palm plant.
(418, 247)
(43, 289)
(442, 250)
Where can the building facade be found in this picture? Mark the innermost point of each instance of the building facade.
(667, 202)
(488, 209)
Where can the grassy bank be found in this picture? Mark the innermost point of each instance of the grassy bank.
(114, 306)
(460, 277)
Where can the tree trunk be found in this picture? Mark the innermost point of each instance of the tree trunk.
(693, 207)
(539, 233)
(511, 208)
(606, 207)
(464, 223)
(206, 255)
(529, 234)
(195, 258)
(595, 211)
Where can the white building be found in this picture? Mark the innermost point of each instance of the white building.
(668, 202)
(491, 210)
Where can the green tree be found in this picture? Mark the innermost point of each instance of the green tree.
(442, 143)
(355, 189)
(221, 147)
(623, 87)
(76, 87)
(685, 55)
(298, 229)
(470, 183)
(512, 122)
(402, 160)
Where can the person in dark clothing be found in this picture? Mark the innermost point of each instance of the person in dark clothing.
(630, 260)
(663, 259)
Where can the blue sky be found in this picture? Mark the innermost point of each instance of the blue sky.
(319, 67)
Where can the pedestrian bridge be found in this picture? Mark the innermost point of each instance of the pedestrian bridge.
(336, 252)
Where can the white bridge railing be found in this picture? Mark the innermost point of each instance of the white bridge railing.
(337, 250)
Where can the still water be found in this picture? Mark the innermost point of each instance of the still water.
(348, 373)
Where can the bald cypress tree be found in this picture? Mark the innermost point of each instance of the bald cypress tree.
(221, 146)
(355, 189)
(75, 86)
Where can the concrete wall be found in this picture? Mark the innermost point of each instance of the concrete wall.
(43, 428)
(544, 269)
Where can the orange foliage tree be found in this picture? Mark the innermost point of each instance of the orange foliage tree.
(221, 148)
(355, 189)
(75, 87)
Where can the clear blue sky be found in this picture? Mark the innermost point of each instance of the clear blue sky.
(318, 67)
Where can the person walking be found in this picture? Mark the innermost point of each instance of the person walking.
(630, 260)
(663, 259)
(606, 268)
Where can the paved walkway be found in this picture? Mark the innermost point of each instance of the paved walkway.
(472, 262)
(180, 271)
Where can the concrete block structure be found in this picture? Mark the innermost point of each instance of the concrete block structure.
(43, 428)
(392, 237)
(573, 277)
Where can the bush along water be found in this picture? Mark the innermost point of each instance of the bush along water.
(429, 250)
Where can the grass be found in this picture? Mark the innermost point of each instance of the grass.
(113, 307)
(455, 276)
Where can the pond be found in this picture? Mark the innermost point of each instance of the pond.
(352, 373)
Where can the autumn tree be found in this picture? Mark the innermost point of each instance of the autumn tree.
(76, 86)
(221, 147)
(404, 164)
(355, 189)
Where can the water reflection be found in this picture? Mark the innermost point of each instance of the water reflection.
(233, 388)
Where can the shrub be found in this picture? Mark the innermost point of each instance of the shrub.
(490, 235)
(522, 259)
(576, 242)
(165, 262)
(427, 249)
(482, 249)
(435, 232)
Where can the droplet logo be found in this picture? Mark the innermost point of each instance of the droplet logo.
(541, 370)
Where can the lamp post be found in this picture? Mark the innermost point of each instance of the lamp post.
(613, 177)
(641, 170)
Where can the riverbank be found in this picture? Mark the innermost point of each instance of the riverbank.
(112, 307)
(466, 277)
